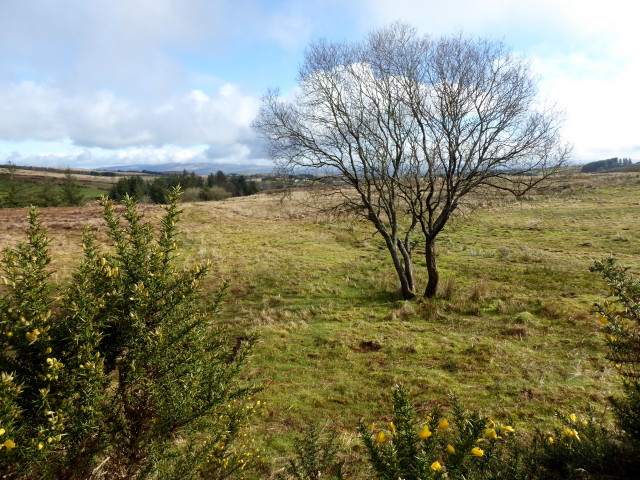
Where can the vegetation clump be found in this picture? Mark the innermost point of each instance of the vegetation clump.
(614, 164)
(120, 376)
(460, 445)
(620, 318)
(216, 186)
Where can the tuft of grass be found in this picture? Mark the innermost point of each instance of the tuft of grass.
(480, 291)
(449, 289)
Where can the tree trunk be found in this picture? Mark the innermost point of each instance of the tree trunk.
(405, 276)
(432, 269)
(405, 292)
(408, 267)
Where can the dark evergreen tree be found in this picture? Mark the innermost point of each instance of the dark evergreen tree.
(71, 193)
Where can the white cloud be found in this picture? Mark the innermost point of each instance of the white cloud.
(600, 108)
(96, 157)
(117, 74)
(102, 119)
(29, 110)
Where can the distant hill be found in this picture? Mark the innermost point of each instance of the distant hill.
(198, 168)
(611, 165)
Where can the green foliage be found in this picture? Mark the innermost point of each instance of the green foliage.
(70, 191)
(606, 165)
(461, 445)
(577, 447)
(12, 188)
(20, 189)
(214, 193)
(621, 323)
(315, 458)
(116, 377)
(48, 196)
(446, 446)
(457, 444)
(216, 187)
(134, 187)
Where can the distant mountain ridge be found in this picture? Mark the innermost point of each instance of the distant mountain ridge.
(198, 168)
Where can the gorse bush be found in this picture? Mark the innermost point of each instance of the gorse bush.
(119, 375)
(576, 446)
(457, 444)
(461, 445)
(316, 457)
(620, 317)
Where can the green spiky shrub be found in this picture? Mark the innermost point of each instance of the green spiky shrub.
(575, 446)
(122, 375)
(460, 445)
(620, 317)
(315, 457)
(466, 445)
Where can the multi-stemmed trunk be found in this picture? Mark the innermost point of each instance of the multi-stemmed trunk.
(401, 258)
(432, 269)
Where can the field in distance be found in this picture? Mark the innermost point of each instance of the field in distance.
(511, 333)
(32, 183)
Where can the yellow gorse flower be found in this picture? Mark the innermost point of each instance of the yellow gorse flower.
(571, 433)
(425, 432)
(392, 427)
(443, 424)
(573, 417)
(550, 440)
(32, 336)
(381, 437)
(508, 429)
(2, 430)
(490, 433)
(451, 449)
(9, 444)
(478, 452)
(436, 466)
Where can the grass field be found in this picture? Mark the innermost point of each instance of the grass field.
(512, 332)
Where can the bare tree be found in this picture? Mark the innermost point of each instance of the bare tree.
(413, 125)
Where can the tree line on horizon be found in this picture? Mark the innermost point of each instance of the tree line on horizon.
(216, 186)
(604, 165)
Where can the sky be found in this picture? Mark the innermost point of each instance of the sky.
(99, 83)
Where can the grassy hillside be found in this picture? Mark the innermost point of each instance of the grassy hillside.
(512, 332)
